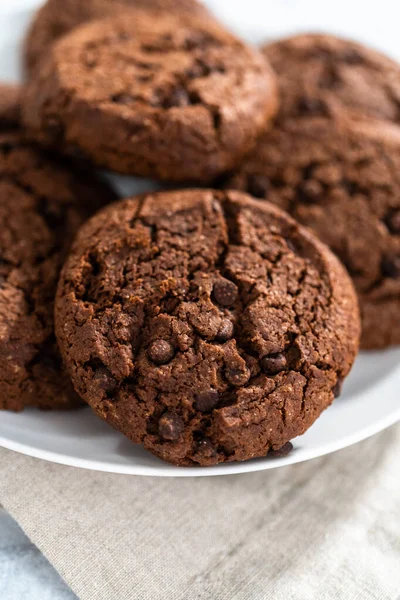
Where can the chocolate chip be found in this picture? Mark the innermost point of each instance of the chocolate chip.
(166, 38)
(160, 352)
(202, 68)
(123, 99)
(54, 127)
(351, 57)
(197, 39)
(337, 388)
(170, 427)
(103, 378)
(198, 69)
(160, 45)
(206, 401)
(392, 221)
(391, 266)
(126, 294)
(274, 363)
(178, 97)
(238, 376)
(225, 292)
(310, 192)
(281, 452)
(205, 447)
(123, 36)
(90, 59)
(352, 270)
(311, 106)
(352, 187)
(330, 78)
(144, 77)
(258, 185)
(2, 281)
(225, 332)
(195, 71)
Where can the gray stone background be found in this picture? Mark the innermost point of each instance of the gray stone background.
(24, 573)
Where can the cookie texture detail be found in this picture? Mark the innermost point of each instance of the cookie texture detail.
(344, 183)
(43, 202)
(323, 75)
(58, 17)
(162, 98)
(204, 325)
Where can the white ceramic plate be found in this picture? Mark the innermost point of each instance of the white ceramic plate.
(371, 399)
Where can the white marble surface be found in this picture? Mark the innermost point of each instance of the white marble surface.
(24, 573)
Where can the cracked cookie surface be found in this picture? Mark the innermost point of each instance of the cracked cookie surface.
(344, 183)
(204, 325)
(322, 75)
(42, 204)
(157, 98)
(57, 17)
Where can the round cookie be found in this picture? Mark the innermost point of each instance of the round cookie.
(42, 205)
(204, 325)
(58, 17)
(344, 183)
(152, 98)
(322, 75)
(10, 106)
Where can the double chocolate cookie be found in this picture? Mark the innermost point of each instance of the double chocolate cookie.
(158, 98)
(42, 204)
(58, 17)
(322, 75)
(10, 106)
(204, 325)
(344, 183)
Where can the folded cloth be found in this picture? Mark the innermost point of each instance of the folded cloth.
(326, 529)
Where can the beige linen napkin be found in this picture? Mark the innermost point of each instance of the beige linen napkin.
(326, 529)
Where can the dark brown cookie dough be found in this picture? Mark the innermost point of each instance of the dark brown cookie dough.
(41, 207)
(58, 17)
(204, 325)
(322, 75)
(155, 98)
(10, 106)
(344, 183)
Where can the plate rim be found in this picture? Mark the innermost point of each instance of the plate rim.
(261, 464)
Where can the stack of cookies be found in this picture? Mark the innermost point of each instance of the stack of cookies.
(214, 321)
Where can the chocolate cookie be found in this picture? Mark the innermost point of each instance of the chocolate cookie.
(41, 207)
(10, 106)
(344, 183)
(204, 325)
(322, 75)
(58, 17)
(157, 98)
